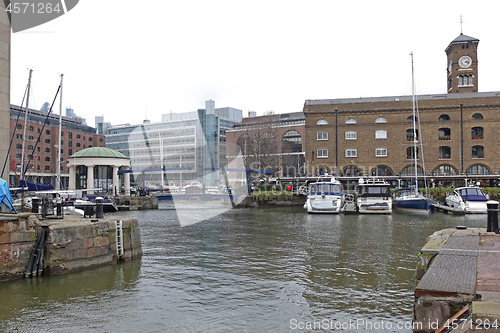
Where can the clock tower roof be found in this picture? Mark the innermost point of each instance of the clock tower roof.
(462, 39)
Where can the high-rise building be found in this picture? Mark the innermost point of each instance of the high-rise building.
(189, 145)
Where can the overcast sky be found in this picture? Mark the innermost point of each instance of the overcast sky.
(130, 60)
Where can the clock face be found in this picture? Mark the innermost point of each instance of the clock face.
(465, 61)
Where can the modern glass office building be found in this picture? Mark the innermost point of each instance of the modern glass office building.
(190, 146)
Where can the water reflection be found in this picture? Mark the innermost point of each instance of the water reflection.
(248, 270)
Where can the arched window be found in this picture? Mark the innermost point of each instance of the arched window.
(444, 117)
(350, 121)
(47, 159)
(47, 150)
(291, 142)
(444, 134)
(322, 122)
(322, 170)
(477, 169)
(381, 170)
(322, 136)
(465, 80)
(351, 135)
(444, 153)
(322, 153)
(351, 171)
(380, 120)
(410, 119)
(477, 116)
(410, 134)
(381, 152)
(410, 153)
(381, 134)
(30, 147)
(351, 152)
(410, 171)
(47, 141)
(477, 133)
(477, 152)
(444, 170)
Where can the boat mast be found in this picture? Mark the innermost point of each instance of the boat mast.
(25, 122)
(415, 155)
(58, 165)
(161, 161)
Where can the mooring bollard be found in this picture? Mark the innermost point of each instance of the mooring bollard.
(34, 205)
(59, 209)
(99, 209)
(492, 216)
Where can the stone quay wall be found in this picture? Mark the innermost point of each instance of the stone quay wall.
(72, 244)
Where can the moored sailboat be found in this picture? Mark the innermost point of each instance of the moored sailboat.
(411, 199)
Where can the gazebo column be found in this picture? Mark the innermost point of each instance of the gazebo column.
(90, 178)
(126, 177)
(72, 177)
(116, 181)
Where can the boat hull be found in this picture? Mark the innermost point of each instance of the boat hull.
(375, 208)
(417, 205)
(323, 205)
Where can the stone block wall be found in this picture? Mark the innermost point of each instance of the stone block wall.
(72, 243)
(17, 237)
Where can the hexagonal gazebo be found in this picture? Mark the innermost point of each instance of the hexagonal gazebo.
(105, 163)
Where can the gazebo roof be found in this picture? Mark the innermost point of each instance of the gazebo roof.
(98, 152)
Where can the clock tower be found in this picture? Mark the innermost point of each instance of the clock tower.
(461, 69)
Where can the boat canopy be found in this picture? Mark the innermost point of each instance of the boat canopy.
(371, 190)
(472, 194)
(5, 196)
(326, 188)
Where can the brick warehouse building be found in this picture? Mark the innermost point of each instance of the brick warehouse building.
(42, 169)
(279, 136)
(374, 136)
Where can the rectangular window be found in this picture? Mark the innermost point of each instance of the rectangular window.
(351, 152)
(381, 134)
(351, 135)
(322, 153)
(381, 152)
(322, 136)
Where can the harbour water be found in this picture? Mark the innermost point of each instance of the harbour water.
(245, 270)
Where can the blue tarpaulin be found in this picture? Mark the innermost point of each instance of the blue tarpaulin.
(5, 196)
(35, 186)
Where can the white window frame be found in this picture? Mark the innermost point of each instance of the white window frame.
(351, 135)
(323, 151)
(322, 122)
(324, 136)
(350, 121)
(380, 120)
(381, 134)
(351, 152)
(381, 152)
